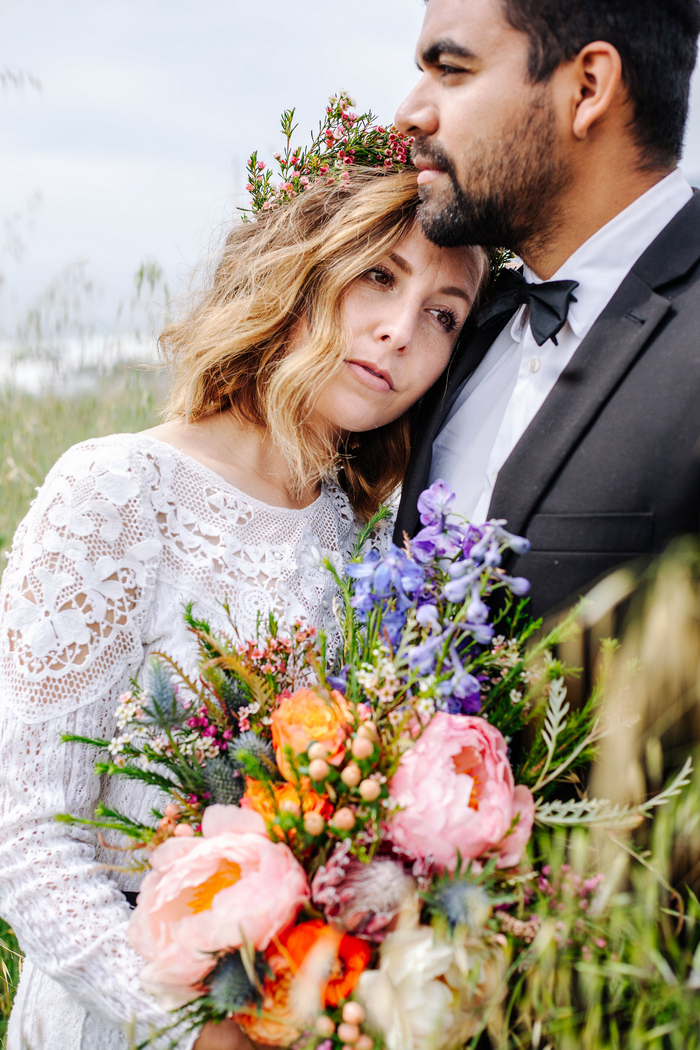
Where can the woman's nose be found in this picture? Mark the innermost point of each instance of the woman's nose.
(396, 329)
(416, 115)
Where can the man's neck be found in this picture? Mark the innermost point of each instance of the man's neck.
(585, 210)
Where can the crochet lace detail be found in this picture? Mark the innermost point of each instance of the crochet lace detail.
(123, 533)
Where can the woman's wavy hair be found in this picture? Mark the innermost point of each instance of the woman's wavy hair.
(236, 347)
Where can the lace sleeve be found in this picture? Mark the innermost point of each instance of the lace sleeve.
(75, 591)
(75, 597)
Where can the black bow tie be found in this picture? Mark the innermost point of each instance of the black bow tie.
(548, 302)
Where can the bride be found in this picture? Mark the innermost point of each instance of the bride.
(294, 377)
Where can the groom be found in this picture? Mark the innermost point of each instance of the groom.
(554, 128)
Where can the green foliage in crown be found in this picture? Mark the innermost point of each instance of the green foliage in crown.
(344, 138)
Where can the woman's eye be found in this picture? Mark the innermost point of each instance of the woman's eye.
(445, 318)
(377, 275)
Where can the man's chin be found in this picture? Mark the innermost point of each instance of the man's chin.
(441, 219)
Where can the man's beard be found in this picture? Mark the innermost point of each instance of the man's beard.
(509, 199)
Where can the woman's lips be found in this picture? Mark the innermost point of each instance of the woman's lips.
(372, 377)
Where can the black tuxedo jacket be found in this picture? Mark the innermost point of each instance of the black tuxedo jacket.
(609, 468)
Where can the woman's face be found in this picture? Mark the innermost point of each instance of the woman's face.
(403, 316)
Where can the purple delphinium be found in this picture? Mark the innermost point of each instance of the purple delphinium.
(339, 681)
(423, 658)
(444, 575)
(465, 696)
(395, 576)
(434, 503)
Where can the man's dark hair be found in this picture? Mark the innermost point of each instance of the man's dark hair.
(657, 42)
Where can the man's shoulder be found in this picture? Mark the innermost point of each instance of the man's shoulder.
(674, 256)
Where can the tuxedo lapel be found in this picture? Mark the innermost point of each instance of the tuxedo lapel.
(605, 355)
(435, 410)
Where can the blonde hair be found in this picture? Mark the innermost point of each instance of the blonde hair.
(293, 265)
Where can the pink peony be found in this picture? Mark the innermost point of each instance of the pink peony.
(456, 792)
(208, 894)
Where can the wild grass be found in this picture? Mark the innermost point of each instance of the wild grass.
(10, 968)
(631, 981)
(34, 432)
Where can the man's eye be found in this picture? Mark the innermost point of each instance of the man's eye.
(446, 70)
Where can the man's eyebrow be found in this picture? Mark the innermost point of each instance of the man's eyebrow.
(447, 46)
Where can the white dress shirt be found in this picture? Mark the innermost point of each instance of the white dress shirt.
(501, 398)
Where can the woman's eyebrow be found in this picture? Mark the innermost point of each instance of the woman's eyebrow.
(402, 263)
(456, 291)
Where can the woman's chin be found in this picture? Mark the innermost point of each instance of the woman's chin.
(340, 424)
(364, 425)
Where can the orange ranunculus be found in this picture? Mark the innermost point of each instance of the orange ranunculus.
(351, 956)
(299, 984)
(279, 1024)
(305, 716)
(257, 797)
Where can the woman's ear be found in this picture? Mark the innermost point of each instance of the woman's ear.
(597, 75)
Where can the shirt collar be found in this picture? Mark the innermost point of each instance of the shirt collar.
(604, 260)
(518, 324)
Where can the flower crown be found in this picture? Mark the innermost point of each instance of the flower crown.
(344, 138)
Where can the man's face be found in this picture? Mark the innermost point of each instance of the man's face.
(486, 138)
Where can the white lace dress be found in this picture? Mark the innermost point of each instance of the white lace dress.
(123, 533)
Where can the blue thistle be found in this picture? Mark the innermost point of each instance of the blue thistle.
(461, 902)
(163, 708)
(224, 780)
(233, 692)
(255, 756)
(249, 743)
(228, 987)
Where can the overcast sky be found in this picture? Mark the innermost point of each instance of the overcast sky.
(147, 110)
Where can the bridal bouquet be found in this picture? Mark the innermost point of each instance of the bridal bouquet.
(341, 859)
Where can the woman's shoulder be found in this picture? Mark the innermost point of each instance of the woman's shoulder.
(115, 463)
(113, 451)
(112, 478)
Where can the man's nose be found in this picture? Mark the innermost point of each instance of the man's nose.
(417, 115)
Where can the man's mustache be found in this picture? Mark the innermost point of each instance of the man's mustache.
(434, 154)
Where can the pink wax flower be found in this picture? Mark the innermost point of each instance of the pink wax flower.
(231, 886)
(456, 792)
